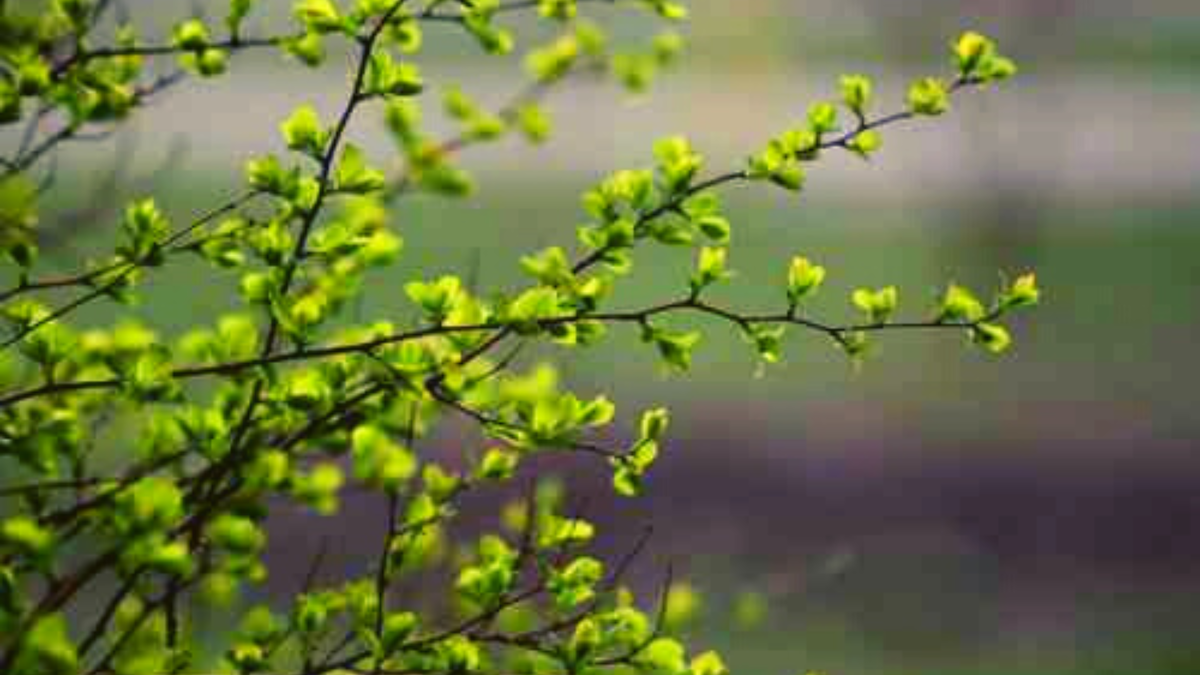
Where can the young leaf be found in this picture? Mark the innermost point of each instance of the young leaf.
(354, 176)
(992, 337)
(804, 278)
(856, 93)
(302, 132)
(928, 96)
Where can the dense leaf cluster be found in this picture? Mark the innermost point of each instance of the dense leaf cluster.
(103, 563)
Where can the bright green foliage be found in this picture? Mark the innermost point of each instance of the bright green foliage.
(857, 92)
(822, 118)
(928, 96)
(708, 663)
(976, 57)
(803, 279)
(677, 163)
(960, 304)
(1023, 293)
(710, 268)
(302, 132)
(878, 305)
(866, 143)
(293, 399)
(320, 16)
(992, 337)
(24, 534)
(387, 77)
(47, 649)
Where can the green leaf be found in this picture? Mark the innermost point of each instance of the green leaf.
(878, 305)
(397, 626)
(440, 484)
(152, 503)
(626, 482)
(319, 488)
(33, 75)
(708, 663)
(1023, 292)
(386, 77)
(146, 229)
(970, 50)
(302, 132)
(354, 175)
(532, 306)
(309, 48)
(584, 640)
(768, 342)
(172, 558)
(710, 268)
(790, 176)
(498, 464)
(998, 68)
(865, 143)
(822, 118)
(804, 278)
(634, 71)
(561, 10)
(928, 96)
(435, 298)
(549, 267)
(236, 533)
(378, 460)
(671, 233)
(267, 175)
(654, 423)
(959, 304)
(447, 180)
(27, 536)
(191, 35)
(47, 648)
(18, 217)
(150, 378)
(667, 9)
(678, 163)
(534, 123)
(77, 11)
(238, 10)
(663, 656)
(10, 102)
(716, 228)
(592, 39)
(992, 337)
(553, 61)
(312, 613)
(676, 348)
(559, 532)
(667, 47)
(247, 657)
(493, 40)
(856, 93)
(320, 16)
(596, 412)
(575, 584)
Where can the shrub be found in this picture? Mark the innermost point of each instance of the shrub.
(102, 563)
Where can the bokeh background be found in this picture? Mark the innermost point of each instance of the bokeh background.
(938, 511)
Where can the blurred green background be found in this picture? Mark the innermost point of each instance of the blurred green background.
(939, 511)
